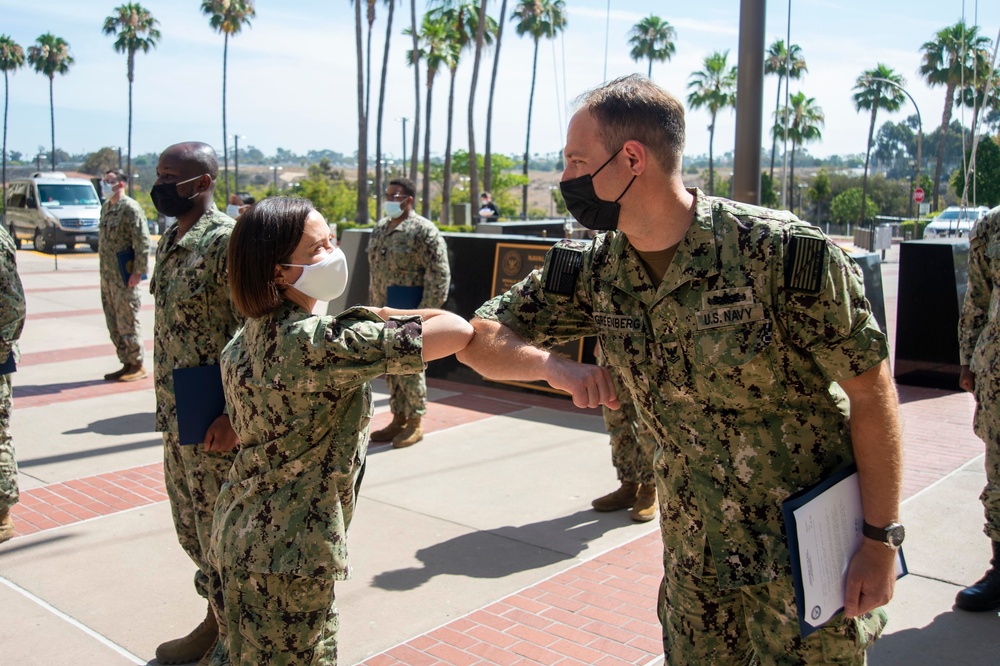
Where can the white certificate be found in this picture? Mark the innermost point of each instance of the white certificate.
(824, 531)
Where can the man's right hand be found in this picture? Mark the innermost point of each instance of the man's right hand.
(967, 379)
(590, 385)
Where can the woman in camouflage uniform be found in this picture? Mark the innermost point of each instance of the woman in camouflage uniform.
(298, 389)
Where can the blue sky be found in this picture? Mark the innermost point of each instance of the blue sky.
(292, 75)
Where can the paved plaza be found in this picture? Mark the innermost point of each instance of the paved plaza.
(476, 546)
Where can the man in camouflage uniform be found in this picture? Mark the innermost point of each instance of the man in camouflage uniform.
(11, 323)
(123, 228)
(979, 349)
(406, 250)
(194, 320)
(742, 335)
(632, 446)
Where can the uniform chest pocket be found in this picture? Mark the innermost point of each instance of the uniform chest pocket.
(187, 292)
(733, 365)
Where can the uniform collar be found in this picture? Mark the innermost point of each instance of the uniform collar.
(194, 235)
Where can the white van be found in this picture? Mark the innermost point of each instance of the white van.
(955, 221)
(50, 209)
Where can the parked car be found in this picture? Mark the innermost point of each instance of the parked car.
(50, 209)
(955, 221)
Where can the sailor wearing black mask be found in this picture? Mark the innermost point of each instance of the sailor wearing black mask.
(194, 320)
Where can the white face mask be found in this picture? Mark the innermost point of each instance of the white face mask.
(393, 209)
(326, 279)
(107, 189)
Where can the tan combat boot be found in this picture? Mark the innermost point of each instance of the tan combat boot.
(114, 376)
(387, 433)
(192, 647)
(644, 509)
(623, 498)
(134, 374)
(409, 435)
(6, 526)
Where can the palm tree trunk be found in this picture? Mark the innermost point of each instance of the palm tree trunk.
(52, 120)
(225, 140)
(949, 98)
(416, 91)
(791, 179)
(711, 161)
(6, 102)
(527, 134)
(425, 199)
(473, 167)
(446, 185)
(381, 108)
(361, 216)
(487, 155)
(864, 177)
(649, 72)
(131, 77)
(774, 137)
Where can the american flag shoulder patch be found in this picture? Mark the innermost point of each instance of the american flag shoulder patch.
(805, 264)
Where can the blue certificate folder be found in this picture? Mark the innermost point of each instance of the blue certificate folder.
(9, 365)
(200, 400)
(126, 258)
(789, 506)
(404, 298)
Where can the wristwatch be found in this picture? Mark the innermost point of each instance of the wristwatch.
(891, 535)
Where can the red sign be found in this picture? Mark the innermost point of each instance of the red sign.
(918, 195)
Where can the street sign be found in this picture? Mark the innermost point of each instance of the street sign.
(918, 195)
(924, 209)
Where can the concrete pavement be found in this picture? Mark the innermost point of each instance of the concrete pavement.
(477, 546)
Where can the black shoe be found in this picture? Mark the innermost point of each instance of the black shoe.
(984, 595)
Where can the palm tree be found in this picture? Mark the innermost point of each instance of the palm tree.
(713, 88)
(414, 59)
(462, 20)
(11, 60)
(949, 60)
(435, 50)
(136, 31)
(50, 56)
(228, 17)
(805, 118)
(973, 95)
(470, 121)
(361, 215)
(487, 149)
(537, 18)
(381, 104)
(787, 64)
(873, 95)
(652, 38)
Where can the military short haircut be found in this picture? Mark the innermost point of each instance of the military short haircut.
(265, 235)
(118, 174)
(197, 157)
(633, 108)
(406, 185)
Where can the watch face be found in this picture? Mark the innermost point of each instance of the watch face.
(894, 535)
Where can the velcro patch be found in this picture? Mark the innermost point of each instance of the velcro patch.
(730, 316)
(562, 267)
(618, 322)
(805, 264)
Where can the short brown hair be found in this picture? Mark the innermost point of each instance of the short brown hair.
(118, 174)
(633, 108)
(406, 185)
(266, 235)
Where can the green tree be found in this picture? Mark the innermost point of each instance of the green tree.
(11, 60)
(786, 64)
(805, 118)
(135, 29)
(100, 162)
(986, 182)
(949, 60)
(49, 55)
(820, 193)
(713, 88)
(488, 162)
(228, 17)
(871, 94)
(846, 207)
(381, 106)
(768, 196)
(479, 41)
(652, 38)
(537, 19)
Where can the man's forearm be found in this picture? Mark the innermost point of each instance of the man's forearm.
(496, 352)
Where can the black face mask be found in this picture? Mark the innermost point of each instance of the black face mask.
(583, 203)
(168, 202)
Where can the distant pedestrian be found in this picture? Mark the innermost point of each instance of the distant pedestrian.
(488, 211)
(123, 250)
(11, 323)
(979, 349)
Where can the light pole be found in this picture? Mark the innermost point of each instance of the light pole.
(801, 187)
(274, 171)
(236, 160)
(403, 120)
(920, 139)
